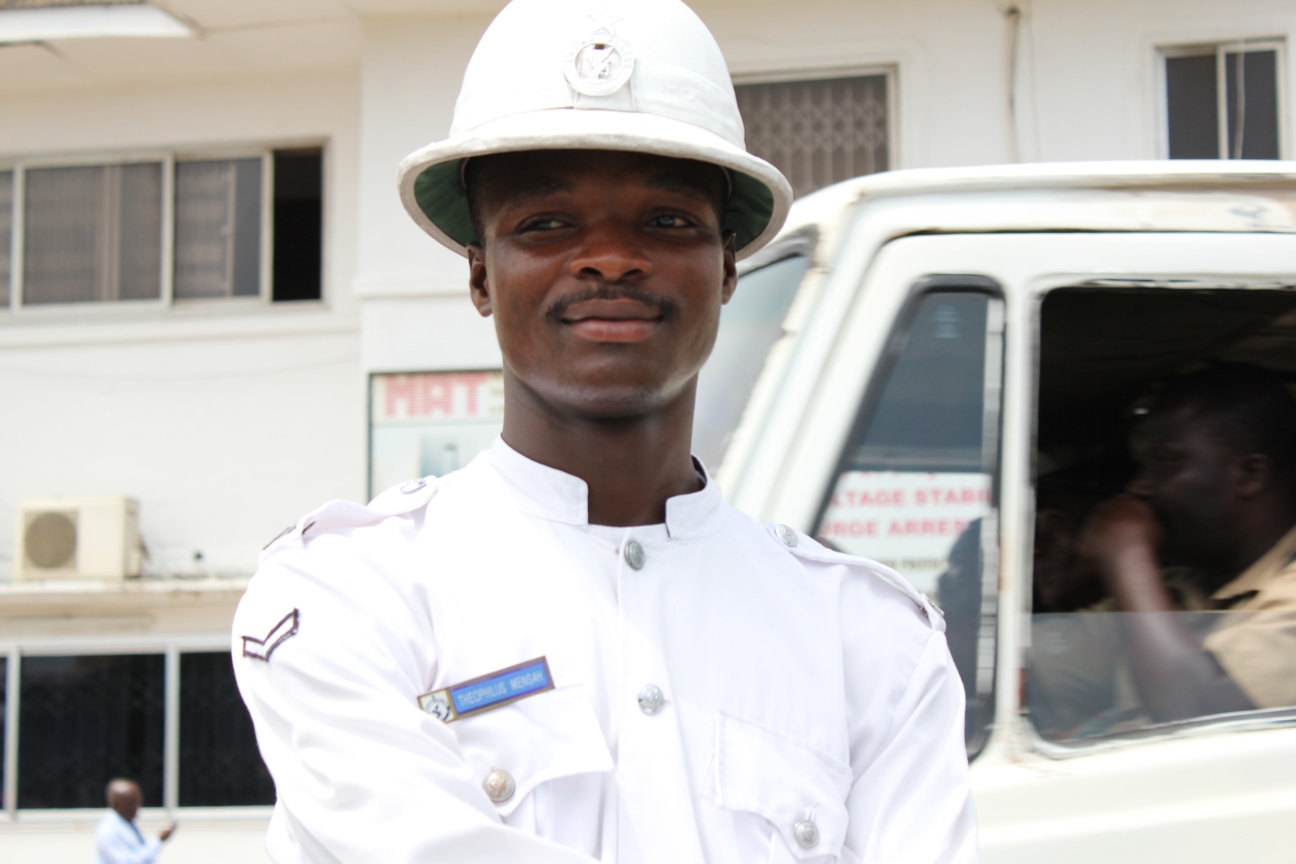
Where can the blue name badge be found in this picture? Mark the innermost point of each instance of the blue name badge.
(489, 691)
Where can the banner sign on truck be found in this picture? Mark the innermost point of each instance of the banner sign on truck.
(905, 520)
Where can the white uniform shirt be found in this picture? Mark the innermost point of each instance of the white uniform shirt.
(120, 842)
(801, 686)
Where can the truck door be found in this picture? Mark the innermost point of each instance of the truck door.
(976, 382)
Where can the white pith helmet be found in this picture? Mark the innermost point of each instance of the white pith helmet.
(644, 76)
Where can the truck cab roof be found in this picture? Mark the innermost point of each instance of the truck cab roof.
(1184, 195)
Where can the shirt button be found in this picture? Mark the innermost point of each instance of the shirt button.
(651, 699)
(499, 786)
(787, 534)
(807, 834)
(634, 555)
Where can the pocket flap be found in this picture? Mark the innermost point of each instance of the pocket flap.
(540, 738)
(761, 771)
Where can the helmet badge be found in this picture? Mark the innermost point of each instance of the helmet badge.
(601, 64)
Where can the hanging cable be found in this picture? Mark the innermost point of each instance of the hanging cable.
(1013, 14)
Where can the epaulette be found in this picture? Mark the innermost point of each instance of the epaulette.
(396, 501)
(806, 547)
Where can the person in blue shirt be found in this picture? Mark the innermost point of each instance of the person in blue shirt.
(117, 839)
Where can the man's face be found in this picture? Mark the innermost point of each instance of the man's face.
(1185, 475)
(605, 273)
(126, 799)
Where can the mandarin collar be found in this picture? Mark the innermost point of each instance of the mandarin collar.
(547, 493)
(1265, 568)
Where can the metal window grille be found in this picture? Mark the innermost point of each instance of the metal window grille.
(5, 804)
(820, 131)
(92, 233)
(6, 233)
(218, 228)
(219, 761)
(84, 720)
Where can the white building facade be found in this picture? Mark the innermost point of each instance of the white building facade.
(254, 325)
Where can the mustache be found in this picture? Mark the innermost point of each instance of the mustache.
(612, 292)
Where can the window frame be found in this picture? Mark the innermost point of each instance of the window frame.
(166, 301)
(171, 648)
(1221, 50)
(992, 453)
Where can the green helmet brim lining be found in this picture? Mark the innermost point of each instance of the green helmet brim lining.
(441, 196)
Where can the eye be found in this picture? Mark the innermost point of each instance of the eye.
(543, 223)
(670, 220)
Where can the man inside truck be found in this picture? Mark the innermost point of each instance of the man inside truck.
(1214, 498)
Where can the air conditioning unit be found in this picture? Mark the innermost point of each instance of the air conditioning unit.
(78, 538)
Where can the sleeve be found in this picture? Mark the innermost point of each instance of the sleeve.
(361, 773)
(1257, 647)
(910, 798)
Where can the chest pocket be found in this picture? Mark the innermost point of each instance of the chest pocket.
(762, 772)
(541, 738)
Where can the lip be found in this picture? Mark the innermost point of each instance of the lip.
(612, 320)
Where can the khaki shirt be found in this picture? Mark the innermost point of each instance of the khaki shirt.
(1256, 644)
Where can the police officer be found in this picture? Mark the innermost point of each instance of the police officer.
(573, 649)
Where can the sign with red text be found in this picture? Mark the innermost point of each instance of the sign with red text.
(423, 423)
(907, 521)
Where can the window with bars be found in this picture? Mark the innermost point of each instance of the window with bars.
(85, 719)
(818, 132)
(5, 804)
(6, 233)
(95, 233)
(218, 228)
(219, 762)
(1223, 101)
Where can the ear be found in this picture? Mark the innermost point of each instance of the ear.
(478, 280)
(1253, 475)
(730, 283)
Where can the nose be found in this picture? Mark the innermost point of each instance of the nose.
(612, 252)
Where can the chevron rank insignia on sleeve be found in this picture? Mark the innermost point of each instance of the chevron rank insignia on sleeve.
(261, 649)
(278, 536)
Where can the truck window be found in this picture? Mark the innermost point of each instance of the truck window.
(750, 324)
(1164, 582)
(915, 487)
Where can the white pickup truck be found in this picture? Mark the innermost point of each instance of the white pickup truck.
(921, 360)
(919, 367)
